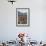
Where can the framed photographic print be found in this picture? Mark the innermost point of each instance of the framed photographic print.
(22, 16)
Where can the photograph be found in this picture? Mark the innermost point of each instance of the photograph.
(22, 16)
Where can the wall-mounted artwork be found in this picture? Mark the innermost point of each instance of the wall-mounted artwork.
(22, 16)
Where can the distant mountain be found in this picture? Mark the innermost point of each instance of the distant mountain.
(22, 14)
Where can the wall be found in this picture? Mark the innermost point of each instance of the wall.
(37, 29)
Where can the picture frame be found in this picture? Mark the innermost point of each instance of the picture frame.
(22, 17)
